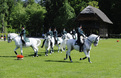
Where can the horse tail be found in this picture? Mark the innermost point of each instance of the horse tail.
(38, 42)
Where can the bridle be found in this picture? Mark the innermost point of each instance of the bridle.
(93, 41)
(12, 38)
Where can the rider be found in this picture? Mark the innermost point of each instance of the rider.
(23, 35)
(48, 33)
(64, 32)
(73, 33)
(80, 33)
(55, 34)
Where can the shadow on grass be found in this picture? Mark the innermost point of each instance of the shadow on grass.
(61, 61)
(7, 56)
(39, 54)
(25, 55)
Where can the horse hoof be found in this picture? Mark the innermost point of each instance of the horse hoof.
(71, 61)
(90, 62)
(81, 58)
(65, 58)
(46, 54)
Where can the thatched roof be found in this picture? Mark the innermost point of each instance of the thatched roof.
(92, 13)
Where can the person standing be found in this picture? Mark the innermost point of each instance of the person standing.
(4, 37)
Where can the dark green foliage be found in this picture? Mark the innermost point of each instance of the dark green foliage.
(65, 18)
(37, 15)
(112, 9)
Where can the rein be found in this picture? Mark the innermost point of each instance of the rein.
(92, 41)
(89, 40)
(15, 37)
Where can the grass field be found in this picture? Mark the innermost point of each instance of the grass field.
(106, 62)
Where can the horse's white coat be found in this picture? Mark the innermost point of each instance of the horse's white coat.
(86, 47)
(48, 44)
(34, 43)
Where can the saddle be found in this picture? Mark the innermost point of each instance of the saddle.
(27, 40)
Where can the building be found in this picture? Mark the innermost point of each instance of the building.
(94, 21)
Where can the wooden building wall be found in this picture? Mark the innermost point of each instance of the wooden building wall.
(95, 27)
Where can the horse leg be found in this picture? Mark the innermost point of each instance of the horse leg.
(15, 50)
(68, 54)
(61, 48)
(87, 53)
(51, 51)
(36, 54)
(89, 60)
(66, 57)
(83, 58)
(58, 48)
(35, 51)
(21, 50)
(70, 58)
(46, 53)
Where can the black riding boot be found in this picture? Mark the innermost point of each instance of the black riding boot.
(55, 41)
(51, 44)
(81, 47)
(23, 42)
(43, 43)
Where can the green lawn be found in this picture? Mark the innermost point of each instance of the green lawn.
(106, 62)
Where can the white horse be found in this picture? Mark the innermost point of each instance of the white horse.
(34, 43)
(60, 40)
(86, 47)
(62, 43)
(64, 40)
(49, 43)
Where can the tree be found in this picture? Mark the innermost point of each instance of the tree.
(19, 16)
(112, 9)
(52, 7)
(36, 15)
(79, 5)
(10, 4)
(66, 16)
(3, 14)
(94, 4)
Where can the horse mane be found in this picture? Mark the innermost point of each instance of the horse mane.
(13, 34)
(93, 35)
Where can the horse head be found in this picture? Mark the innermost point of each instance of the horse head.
(65, 37)
(11, 36)
(94, 39)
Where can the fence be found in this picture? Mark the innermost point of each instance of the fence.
(114, 35)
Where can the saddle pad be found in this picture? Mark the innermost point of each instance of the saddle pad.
(27, 40)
